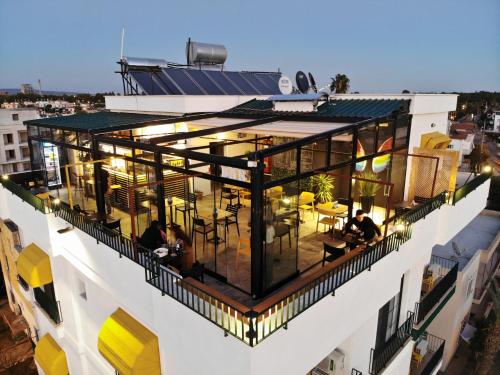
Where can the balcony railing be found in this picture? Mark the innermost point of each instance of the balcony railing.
(47, 304)
(426, 363)
(380, 357)
(446, 278)
(470, 186)
(38, 203)
(250, 325)
(356, 372)
(422, 210)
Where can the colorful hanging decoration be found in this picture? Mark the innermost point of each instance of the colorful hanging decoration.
(380, 163)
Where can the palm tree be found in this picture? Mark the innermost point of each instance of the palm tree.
(340, 84)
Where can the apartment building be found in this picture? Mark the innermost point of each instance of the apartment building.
(272, 285)
(14, 148)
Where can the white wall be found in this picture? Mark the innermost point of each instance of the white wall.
(190, 344)
(447, 324)
(175, 104)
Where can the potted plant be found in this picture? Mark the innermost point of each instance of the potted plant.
(324, 187)
(367, 190)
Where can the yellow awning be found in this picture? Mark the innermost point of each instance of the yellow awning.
(50, 356)
(33, 265)
(128, 346)
(434, 140)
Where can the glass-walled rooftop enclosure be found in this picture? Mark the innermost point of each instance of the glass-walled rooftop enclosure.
(253, 200)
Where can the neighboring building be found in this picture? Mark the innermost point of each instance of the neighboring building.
(477, 250)
(233, 169)
(14, 148)
(496, 121)
(27, 88)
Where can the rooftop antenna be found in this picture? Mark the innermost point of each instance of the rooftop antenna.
(121, 49)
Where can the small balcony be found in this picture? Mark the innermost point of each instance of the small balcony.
(427, 355)
(49, 305)
(380, 357)
(439, 277)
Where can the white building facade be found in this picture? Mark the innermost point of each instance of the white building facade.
(14, 149)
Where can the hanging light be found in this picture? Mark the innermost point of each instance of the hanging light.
(487, 169)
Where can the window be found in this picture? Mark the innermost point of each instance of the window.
(25, 152)
(26, 166)
(23, 136)
(15, 117)
(10, 154)
(14, 167)
(388, 319)
(8, 139)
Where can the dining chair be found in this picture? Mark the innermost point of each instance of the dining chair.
(233, 218)
(334, 252)
(326, 218)
(306, 201)
(114, 226)
(186, 208)
(280, 231)
(229, 194)
(199, 226)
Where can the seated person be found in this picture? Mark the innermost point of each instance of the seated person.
(364, 226)
(184, 243)
(153, 237)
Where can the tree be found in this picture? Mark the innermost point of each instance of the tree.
(405, 91)
(340, 84)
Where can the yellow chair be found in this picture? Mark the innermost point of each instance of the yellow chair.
(306, 201)
(328, 218)
(276, 192)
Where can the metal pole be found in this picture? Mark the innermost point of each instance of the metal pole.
(257, 230)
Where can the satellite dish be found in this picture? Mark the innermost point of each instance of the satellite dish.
(285, 85)
(313, 82)
(302, 82)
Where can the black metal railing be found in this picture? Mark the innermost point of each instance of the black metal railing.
(380, 357)
(356, 372)
(445, 280)
(109, 237)
(426, 365)
(422, 210)
(469, 187)
(49, 305)
(25, 195)
(229, 315)
(272, 317)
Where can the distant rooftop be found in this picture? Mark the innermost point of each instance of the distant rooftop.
(475, 236)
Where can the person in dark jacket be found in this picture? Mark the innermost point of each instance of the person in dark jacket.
(152, 237)
(364, 226)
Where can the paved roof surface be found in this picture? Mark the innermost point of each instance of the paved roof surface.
(475, 236)
(99, 122)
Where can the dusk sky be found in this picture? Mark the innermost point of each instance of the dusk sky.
(382, 45)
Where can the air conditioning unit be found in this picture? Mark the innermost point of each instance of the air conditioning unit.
(331, 365)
